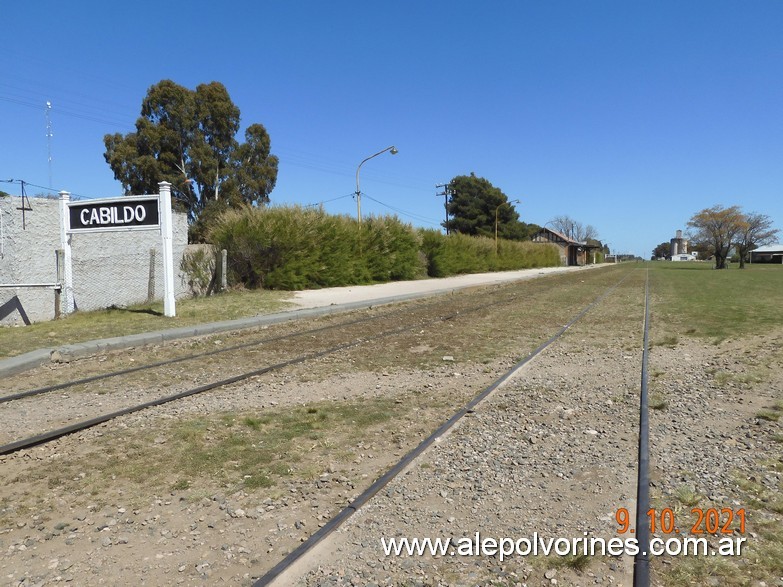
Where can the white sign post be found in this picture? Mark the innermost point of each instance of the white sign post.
(65, 245)
(166, 232)
(120, 214)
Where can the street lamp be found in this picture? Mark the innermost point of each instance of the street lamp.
(496, 221)
(393, 150)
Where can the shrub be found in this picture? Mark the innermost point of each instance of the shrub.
(458, 253)
(198, 268)
(289, 247)
(392, 252)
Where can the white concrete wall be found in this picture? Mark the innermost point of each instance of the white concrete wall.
(109, 268)
(28, 255)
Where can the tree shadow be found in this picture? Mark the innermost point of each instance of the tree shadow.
(149, 311)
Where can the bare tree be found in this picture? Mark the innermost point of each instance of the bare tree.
(573, 229)
(755, 229)
(590, 233)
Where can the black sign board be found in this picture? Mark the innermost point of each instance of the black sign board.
(132, 212)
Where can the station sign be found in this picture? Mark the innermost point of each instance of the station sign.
(125, 213)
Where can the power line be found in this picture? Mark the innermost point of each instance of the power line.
(327, 201)
(71, 113)
(22, 182)
(49, 190)
(403, 212)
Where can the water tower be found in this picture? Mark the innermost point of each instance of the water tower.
(679, 245)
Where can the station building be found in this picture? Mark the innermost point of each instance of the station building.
(572, 253)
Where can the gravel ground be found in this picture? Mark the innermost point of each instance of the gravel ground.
(553, 451)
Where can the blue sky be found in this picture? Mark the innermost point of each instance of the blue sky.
(627, 115)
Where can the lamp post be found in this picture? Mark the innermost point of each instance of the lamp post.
(393, 150)
(496, 221)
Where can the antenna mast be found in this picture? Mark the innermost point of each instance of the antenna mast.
(49, 138)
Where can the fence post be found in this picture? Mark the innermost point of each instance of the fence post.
(65, 245)
(151, 282)
(169, 305)
(223, 270)
(59, 264)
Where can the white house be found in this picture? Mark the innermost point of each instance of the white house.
(685, 257)
(767, 254)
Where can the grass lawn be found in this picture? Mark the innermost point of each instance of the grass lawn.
(694, 299)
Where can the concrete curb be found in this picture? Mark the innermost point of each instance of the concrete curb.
(37, 358)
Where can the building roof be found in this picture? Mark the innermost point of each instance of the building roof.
(563, 238)
(776, 248)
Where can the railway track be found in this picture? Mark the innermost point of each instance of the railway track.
(420, 316)
(256, 342)
(641, 572)
(411, 321)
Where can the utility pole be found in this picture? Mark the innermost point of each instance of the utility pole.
(445, 193)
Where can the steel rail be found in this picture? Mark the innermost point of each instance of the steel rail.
(129, 370)
(641, 563)
(85, 424)
(92, 422)
(398, 467)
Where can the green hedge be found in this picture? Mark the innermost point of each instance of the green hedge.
(458, 253)
(289, 247)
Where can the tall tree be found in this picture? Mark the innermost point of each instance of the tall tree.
(188, 138)
(755, 230)
(473, 207)
(715, 229)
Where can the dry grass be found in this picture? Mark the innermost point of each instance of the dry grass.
(85, 326)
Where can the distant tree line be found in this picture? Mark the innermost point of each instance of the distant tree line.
(716, 231)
